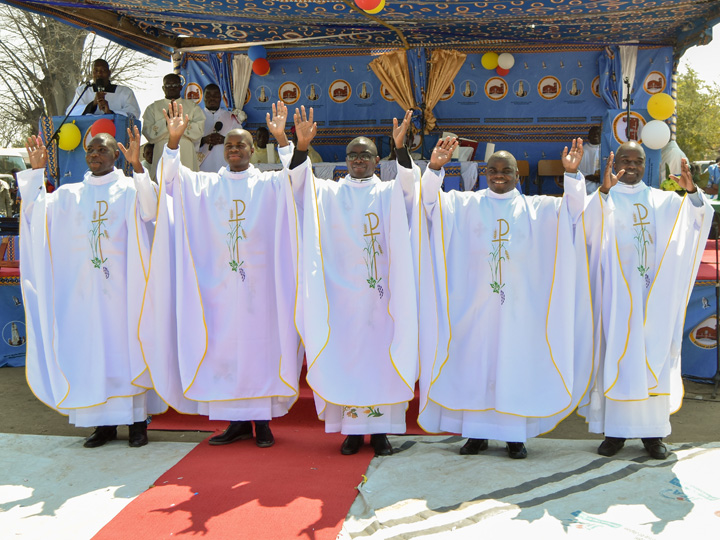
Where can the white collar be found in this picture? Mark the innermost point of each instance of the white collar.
(90, 178)
(508, 195)
(629, 188)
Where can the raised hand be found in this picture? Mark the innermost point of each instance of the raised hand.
(610, 179)
(685, 181)
(276, 124)
(132, 152)
(399, 131)
(305, 128)
(442, 153)
(176, 124)
(37, 153)
(571, 159)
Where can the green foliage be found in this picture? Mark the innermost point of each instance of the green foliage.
(698, 111)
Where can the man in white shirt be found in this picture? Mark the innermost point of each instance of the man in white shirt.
(218, 122)
(105, 97)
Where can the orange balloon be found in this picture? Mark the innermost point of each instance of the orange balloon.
(378, 9)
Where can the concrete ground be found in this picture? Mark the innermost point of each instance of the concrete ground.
(22, 413)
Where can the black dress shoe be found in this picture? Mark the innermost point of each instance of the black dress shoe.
(100, 436)
(138, 434)
(381, 445)
(611, 446)
(236, 431)
(473, 446)
(656, 448)
(263, 436)
(352, 444)
(516, 450)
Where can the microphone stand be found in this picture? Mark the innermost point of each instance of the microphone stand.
(55, 135)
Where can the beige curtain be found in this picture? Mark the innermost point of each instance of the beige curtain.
(392, 70)
(242, 69)
(444, 65)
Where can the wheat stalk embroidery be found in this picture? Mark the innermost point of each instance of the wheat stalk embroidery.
(642, 240)
(235, 235)
(497, 256)
(370, 252)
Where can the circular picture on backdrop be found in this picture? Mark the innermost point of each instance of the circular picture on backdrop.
(448, 93)
(289, 92)
(496, 88)
(385, 93)
(575, 87)
(520, 88)
(468, 88)
(654, 83)
(704, 335)
(339, 91)
(313, 92)
(620, 126)
(549, 87)
(364, 90)
(263, 94)
(193, 92)
(14, 333)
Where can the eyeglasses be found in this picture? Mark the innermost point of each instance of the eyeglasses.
(172, 85)
(365, 156)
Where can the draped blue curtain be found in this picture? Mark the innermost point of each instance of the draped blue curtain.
(417, 66)
(221, 64)
(611, 83)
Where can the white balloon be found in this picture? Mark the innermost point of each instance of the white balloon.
(506, 60)
(655, 135)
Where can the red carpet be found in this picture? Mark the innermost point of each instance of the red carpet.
(300, 488)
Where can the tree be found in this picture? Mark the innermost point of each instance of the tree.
(42, 62)
(698, 117)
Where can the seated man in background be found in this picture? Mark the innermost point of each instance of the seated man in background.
(713, 179)
(83, 260)
(105, 98)
(261, 150)
(218, 122)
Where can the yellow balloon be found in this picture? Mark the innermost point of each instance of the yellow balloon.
(489, 60)
(661, 106)
(378, 9)
(69, 137)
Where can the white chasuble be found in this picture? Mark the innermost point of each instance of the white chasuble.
(514, 337)
(650, 256)
(358, 316)
(84, 261)
(217, 327)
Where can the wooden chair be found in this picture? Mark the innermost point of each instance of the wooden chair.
(550, 167)
(523, 173)
(3, 249)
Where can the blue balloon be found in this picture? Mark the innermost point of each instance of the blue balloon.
(257, 51)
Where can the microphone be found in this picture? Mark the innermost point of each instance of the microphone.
(100, 84)
(217, 127)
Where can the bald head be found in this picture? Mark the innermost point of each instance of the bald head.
(630, 157)
(365, 142)
(502, 172)
(238, 149)
(101, 154)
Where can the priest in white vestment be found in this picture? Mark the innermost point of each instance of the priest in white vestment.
(84, 259)
(357, 314)
(590, 162)
(513, 316)
(649, 244)
(155, 129)
(218, 122)
(217, 325)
